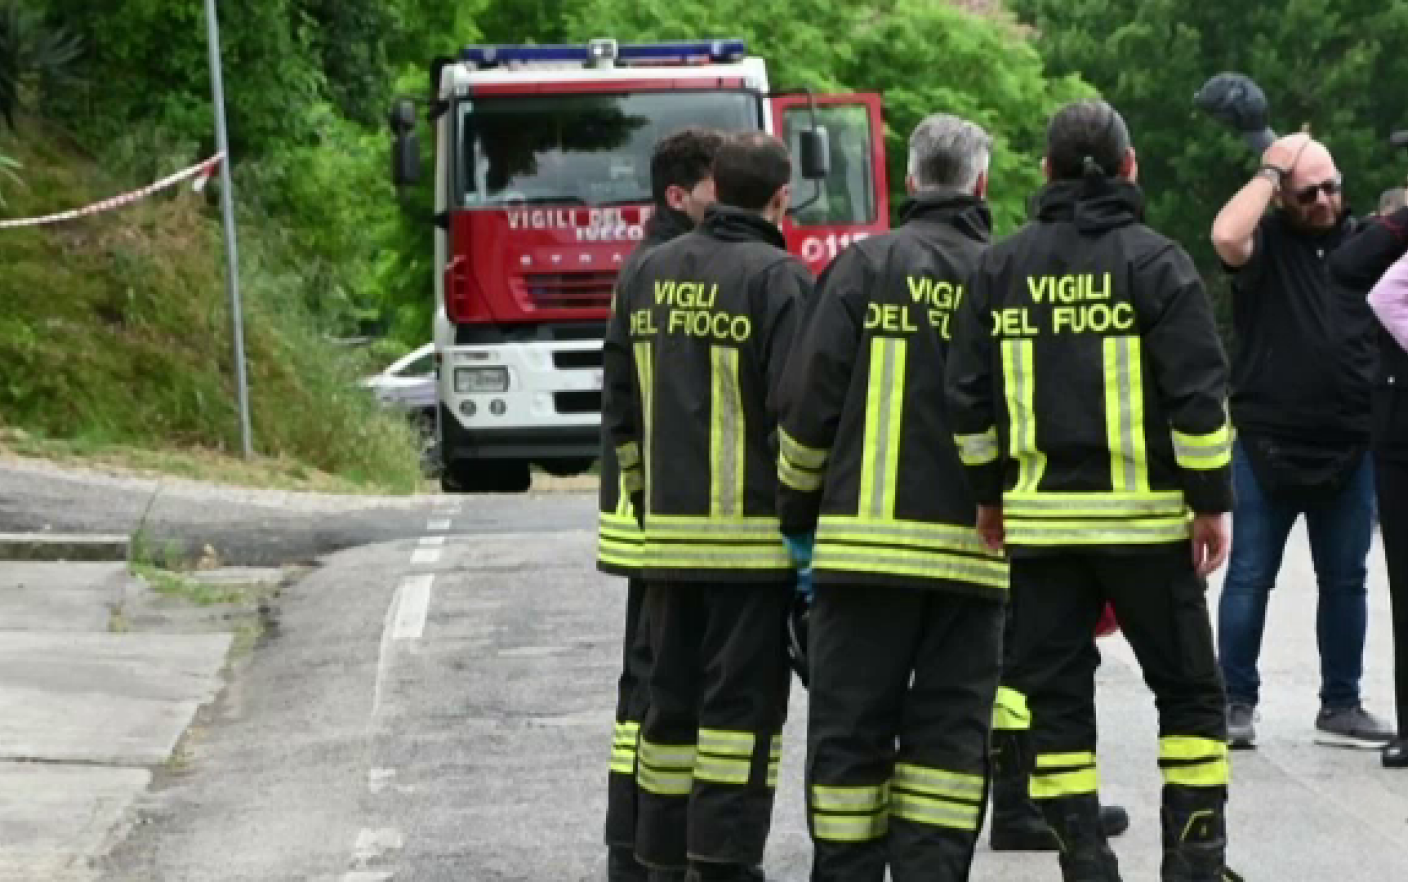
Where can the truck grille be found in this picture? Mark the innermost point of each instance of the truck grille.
(577, 402)
(570, 290)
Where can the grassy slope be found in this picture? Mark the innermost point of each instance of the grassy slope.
(115, 333)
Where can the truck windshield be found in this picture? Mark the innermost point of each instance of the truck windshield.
(582, 149)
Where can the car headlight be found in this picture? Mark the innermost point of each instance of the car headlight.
(480, 380)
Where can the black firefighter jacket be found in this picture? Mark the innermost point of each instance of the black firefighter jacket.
(619, 538)
(692, 358)
(867, 457)
(1087, 385)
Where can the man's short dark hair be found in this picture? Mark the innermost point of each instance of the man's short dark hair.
(750, 168)
(1086, 129)
(683, 159)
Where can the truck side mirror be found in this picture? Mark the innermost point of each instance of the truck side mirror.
(405, 150)
(815, 150)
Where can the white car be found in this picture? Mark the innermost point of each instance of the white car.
(409, 383)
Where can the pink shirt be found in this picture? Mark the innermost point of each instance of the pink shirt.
(1389, 301)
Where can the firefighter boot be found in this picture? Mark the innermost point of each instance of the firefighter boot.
(1085, 856)
(1017, 824)
(1195, 837)
(622, 866)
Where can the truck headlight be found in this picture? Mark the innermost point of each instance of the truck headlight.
(480, 380)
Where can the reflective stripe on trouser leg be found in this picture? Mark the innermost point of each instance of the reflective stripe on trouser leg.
(1064, 774)
(1010, 711)
(1193, 762)
(849, 814)
(621, 785)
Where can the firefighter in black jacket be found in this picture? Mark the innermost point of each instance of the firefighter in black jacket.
(693, 356)
(1087, 391)
(682, 185)
(906, 628)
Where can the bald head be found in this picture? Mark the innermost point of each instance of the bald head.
(1311, 195)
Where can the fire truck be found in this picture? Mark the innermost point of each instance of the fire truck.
(542, 189)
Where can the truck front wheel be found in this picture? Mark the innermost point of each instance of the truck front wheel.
(486, 476)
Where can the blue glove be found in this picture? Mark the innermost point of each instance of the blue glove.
(799, 546)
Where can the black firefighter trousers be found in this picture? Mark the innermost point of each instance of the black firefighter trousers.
(1057, 598)
(632, 699)
(711, 743)
(901, 703)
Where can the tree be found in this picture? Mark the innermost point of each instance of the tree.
(33, 56)
(925, 56)
(1335, 65)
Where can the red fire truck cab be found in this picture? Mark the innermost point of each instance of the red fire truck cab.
(542, 188)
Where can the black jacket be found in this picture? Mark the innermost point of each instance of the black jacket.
(867, 456)
(693, 355)
(619, 539)
(1357, 265)
(1086, 381)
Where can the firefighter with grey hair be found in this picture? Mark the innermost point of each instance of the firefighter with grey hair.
(907, 621)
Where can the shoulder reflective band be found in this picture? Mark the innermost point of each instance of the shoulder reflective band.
(884, 407)
(1203, 452)
(1124, 415)
(1019, 386)
(977, 450)
(727, 434)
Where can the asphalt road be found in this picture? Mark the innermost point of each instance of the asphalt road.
(439, 708)
(179, 519)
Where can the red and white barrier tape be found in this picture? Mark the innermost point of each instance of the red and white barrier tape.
(201, 172)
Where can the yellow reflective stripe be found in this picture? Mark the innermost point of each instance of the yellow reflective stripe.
(645, 377)
(850, 799)
(883, 418)
(852, 828)
(938, 782)
(664, 783)
(1010, 711)
(727, 742)
(774, 759)
(1019, 383)
(622, 527)
(1093, 505)
(1214, 773)
(798, 479)
(861, 529)
(721, 771)
(796, 452)
(667, 756)
(690, 527)
(1202, 452)
(727, 434)
(1058, 760)
(623, 747)
(623, 498)
(628, 455)
(707, 557)
(976, 450)
(935, 812)
(1124, 415)
(619, 554)
(917, 564)
(1185, 747)
(1060, 784)
(1111, 532)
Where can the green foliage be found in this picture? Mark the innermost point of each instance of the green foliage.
(33, 56)
(8, 167)
(1331, 64)
(924, 56)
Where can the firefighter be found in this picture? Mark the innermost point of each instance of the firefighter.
(682, 187)
(906, 627)
(1087, 390)
(693, 355)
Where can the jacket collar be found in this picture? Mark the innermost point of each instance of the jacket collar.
(729, 224)
(963, 211)
(665, 224)
(1094, 206)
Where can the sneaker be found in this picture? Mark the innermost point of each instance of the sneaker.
(1241, 726)
(1353, 727)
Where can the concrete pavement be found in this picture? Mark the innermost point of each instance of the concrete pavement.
(439, 709)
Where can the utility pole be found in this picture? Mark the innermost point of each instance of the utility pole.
(227, 207)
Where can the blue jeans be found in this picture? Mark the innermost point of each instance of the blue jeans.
(1341, 531)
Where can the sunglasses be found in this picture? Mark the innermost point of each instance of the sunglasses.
(1308, 195)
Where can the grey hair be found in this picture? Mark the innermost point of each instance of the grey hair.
(948, 152)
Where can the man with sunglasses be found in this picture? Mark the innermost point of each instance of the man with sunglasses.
(1302, 372)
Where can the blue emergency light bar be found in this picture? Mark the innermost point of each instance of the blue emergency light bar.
(715, 51)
